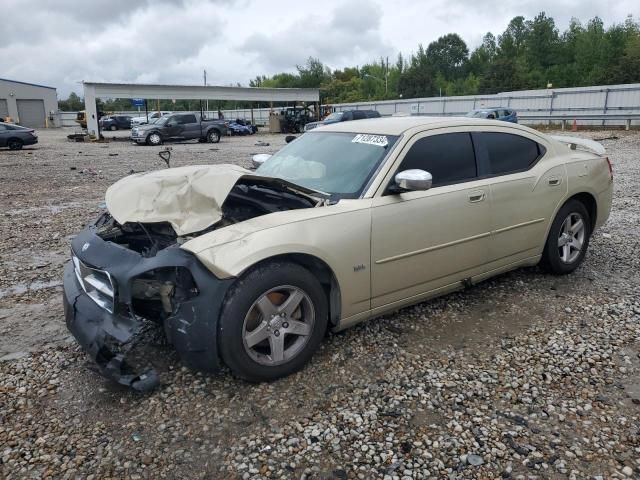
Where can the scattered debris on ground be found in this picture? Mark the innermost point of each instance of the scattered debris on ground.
(524, 376)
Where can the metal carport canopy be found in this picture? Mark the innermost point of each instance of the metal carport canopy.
(94, 90)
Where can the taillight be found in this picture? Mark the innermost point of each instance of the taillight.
(610, 168)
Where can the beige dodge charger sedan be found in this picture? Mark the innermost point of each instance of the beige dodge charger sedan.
(347, 222)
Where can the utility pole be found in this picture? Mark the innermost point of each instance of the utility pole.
(386, 79)
(205, 84)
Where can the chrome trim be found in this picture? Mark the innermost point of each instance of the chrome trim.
(523, 224)
(92, 281)
(431, 249)
(413, 180)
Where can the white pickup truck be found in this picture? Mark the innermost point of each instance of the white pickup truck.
(153, 116)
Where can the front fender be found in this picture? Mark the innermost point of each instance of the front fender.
(339, 236)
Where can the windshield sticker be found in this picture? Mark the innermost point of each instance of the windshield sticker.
(378, 140)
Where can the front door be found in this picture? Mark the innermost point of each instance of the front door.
(427, 240)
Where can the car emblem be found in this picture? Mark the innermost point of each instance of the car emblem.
(85, 247)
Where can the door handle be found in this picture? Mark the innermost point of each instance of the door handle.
(476, 196)
(554, 181)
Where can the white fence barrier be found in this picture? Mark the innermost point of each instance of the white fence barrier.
(621, 103)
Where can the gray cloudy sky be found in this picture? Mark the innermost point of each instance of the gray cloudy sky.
(62, 42)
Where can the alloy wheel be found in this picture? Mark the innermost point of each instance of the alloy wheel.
(278, 325)
(571, 238)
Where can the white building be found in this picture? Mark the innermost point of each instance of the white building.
(27, 104)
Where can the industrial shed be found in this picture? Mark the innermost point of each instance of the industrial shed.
(28, 104)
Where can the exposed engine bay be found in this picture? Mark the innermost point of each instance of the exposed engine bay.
(246, 200)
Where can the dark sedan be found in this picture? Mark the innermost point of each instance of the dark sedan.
(115, 122)
(15, 136)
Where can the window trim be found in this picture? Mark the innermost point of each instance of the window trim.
(482, 155)
(410, 145)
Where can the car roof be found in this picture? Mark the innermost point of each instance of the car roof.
(399, 125)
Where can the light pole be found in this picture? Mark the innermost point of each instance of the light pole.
(386, 86)
(205, 84)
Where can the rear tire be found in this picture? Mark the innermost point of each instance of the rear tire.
(15, 144)
(272, 321)
(114, 128)
(213, 136)
(568, 239)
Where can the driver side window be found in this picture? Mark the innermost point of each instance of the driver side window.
(449, 158)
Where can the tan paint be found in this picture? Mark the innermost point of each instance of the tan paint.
(413, 246)
(189, 198)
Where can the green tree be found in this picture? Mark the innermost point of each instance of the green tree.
(73, 103)
(448, 55)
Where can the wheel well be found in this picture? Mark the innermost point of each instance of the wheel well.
(323, 273)
(589, 202)
(14, 138)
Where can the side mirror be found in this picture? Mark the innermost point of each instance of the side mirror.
(411, 180)
(259, 158)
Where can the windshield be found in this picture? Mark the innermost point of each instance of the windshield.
(339, 164)
(158, 121)
(334, 117)
(478, 114)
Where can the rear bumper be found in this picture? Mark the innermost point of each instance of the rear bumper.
(108, 337)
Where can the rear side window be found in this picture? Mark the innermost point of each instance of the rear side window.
(506, 152)
(449, 158)
(187, 119)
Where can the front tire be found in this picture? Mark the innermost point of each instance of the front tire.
(568, 239)
(272, 322)
(154, 139)
(15, 144)
(113, 128)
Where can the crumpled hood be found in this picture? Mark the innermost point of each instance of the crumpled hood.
(189, 198)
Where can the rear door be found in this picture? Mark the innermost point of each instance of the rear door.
(426, 240)
(524, 192)
(190, 126)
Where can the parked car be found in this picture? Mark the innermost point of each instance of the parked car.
(347, 222)
(15, 136)
(238, 129)
(115, 122)
(497, 113)
(344, 116)
(144, 119)
(179, 126)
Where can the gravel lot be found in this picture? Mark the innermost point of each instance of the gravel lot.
(524, 376)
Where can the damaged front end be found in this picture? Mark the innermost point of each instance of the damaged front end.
(127, 272)
(111, 289)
